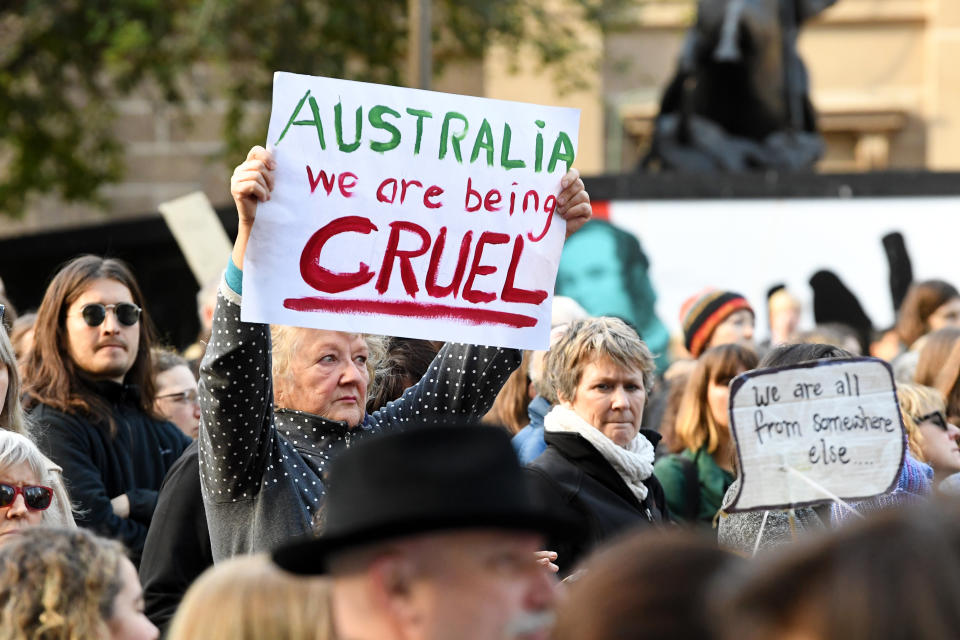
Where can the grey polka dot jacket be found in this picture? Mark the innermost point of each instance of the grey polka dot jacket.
(262, 469)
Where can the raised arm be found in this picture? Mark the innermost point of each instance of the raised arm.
(236, 389)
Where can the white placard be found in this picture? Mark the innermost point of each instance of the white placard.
(410, 213)
(808, 431)
(199, 234)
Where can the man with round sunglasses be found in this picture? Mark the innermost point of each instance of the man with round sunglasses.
(90, 386)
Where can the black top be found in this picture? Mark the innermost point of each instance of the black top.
(98, 466)
(572, 475)
(177, 549)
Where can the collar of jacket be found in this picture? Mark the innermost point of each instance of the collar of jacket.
(575, 448)
(312, 432)
(115, 392)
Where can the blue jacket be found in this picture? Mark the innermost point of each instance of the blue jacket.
(528, 442)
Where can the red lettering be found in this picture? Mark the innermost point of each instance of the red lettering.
(406, 183)
(381, 196)
(492, 198)
(548, 206)
(472, 192)
(476, 269)
(322, 176)
(433, 289)
(511, 293)
(323, 279)
(432, 192)
(393, 252)
(345, 189)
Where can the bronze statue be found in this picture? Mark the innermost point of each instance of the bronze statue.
(739, 100)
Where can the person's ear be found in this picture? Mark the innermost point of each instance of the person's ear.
(392, 580)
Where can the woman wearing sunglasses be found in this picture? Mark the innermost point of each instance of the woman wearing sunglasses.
(938, 441)
(31, 492)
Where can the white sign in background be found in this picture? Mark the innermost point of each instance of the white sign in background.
(749, 245)
(807, 432)
(365, 183)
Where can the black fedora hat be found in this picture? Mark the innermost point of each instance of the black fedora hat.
(424, 479)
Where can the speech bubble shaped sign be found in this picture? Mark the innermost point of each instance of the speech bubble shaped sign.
(807, 432)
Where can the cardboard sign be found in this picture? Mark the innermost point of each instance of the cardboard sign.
(199, 234)
(410, 213)
(816, 432)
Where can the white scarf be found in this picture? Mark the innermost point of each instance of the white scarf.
(634, 464)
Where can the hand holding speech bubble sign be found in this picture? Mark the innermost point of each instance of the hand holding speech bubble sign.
(815, 432)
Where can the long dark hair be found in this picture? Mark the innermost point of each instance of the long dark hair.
(51, 376)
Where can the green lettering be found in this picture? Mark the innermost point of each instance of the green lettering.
(565, 154)
(315, 122)
(456, 138)
(484, 141)
(376, 121)
(538, 159)
(505, 160)
(420, 114)
(338, 124)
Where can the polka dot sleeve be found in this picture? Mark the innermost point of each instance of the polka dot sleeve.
(462, 380)
(236, 399)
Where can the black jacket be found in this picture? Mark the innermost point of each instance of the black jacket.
(572, 475)
(177, 550)
(98, 467)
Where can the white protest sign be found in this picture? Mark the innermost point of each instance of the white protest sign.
(816, 432)
(410, 213)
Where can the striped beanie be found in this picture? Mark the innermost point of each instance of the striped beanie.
(701, 314)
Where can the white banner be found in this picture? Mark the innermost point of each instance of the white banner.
(410, 213)
(816, 432)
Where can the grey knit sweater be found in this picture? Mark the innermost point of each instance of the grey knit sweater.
(261, 469)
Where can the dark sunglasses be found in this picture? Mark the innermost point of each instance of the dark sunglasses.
(936, 418)
(95, 313)
(37, 498)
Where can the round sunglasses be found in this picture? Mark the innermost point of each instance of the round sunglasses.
(95, 313)
(37, 498)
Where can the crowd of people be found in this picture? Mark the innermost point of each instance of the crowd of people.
(289, 483)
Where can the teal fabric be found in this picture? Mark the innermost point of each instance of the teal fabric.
(234, 278)
(713, 480)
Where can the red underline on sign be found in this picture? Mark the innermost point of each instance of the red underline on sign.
(412, 310)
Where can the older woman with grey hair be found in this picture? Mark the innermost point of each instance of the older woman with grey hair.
(31, 490)
(598, 462)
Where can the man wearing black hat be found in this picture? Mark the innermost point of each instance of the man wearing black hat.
(432, 534)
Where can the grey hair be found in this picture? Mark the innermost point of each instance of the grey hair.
(17, 449)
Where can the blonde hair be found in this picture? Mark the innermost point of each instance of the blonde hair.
(59, 584)
(249, 598)
(588, 340)
(16, 449)
(916, 401)
(695, 426)
(12, 417)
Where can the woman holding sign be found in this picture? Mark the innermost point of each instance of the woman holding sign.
(277, 408)
(695, 480)
(598, 463)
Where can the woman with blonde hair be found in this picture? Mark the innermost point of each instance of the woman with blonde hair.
(695, 479)
(939, 367)
(254, 600)
(932, 438)
(69, 584)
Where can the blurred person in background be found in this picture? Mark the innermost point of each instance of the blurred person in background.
(598, 465)
(250, 598)
(91, 387)
(939, 367)
(70, 584)
(695, 479)
(928, 306)
(647, 586)
(510, 407)
(893, 576)
(177, 397)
